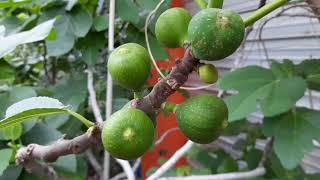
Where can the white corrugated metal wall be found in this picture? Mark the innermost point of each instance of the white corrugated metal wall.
(286, 37)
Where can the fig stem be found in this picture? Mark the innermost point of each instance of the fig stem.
(215, 4)
(260, 13)
(202, 4)
(169, 107)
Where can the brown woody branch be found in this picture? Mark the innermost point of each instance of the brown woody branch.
(315, 6)
(26, 156)
(167, 86)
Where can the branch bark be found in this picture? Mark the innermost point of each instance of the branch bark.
(315, 6)
(167, 86)
(26, 156)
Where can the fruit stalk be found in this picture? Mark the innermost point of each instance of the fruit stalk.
(201, 3)
(215, 4)
(260, 13)
(167, 86)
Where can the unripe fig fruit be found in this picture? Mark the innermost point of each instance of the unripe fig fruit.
(215, 33)
(202, 118)
(129, 66)
(208, 73)
(172, 27)
(128, 134)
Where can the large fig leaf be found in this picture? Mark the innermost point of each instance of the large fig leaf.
(293, 133)
(276, 90)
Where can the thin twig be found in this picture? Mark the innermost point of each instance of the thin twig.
(164, 135)
(94, 162)
(127, 169)
(227, 176)
(123, 175)
(45, 62)
(168, 164)
(147, 22)
(93, 98)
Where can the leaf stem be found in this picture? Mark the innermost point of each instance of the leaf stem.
(81, 118)
(201, 3)
(215, 4)
(260, 13)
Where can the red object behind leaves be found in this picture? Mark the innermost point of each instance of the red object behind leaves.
(175, 140)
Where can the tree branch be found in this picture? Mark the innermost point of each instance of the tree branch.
(26, 156)
(168, 164)
(315, 6)
(167, 86)
(93, 98)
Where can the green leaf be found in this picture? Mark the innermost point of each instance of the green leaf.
(10, 3)
(20, 93)
(228, 164)
(310, 70)
(4, 159)
(253, 157)
(200, 171)
(161, 161)
(183, 170)
(7, 72)
(12, 132)
(100, 23)
(40, 32)
(146, 6)
(204, 158)
(69, 26)
(118, 103)
(36, 107)
(74, 97)
(12, 172)
(275, 170)
(41, 134)
(67, 163)
(285, 69)
(127, 10)
(132, 34)
(91, 46)
(293, 133)
(257, 84)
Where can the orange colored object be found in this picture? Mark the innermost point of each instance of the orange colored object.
(174, 140)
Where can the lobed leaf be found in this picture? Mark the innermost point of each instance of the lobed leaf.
(4, 159)
(275, 90)
(293, 133)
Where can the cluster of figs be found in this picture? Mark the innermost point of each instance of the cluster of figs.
(213, 34)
